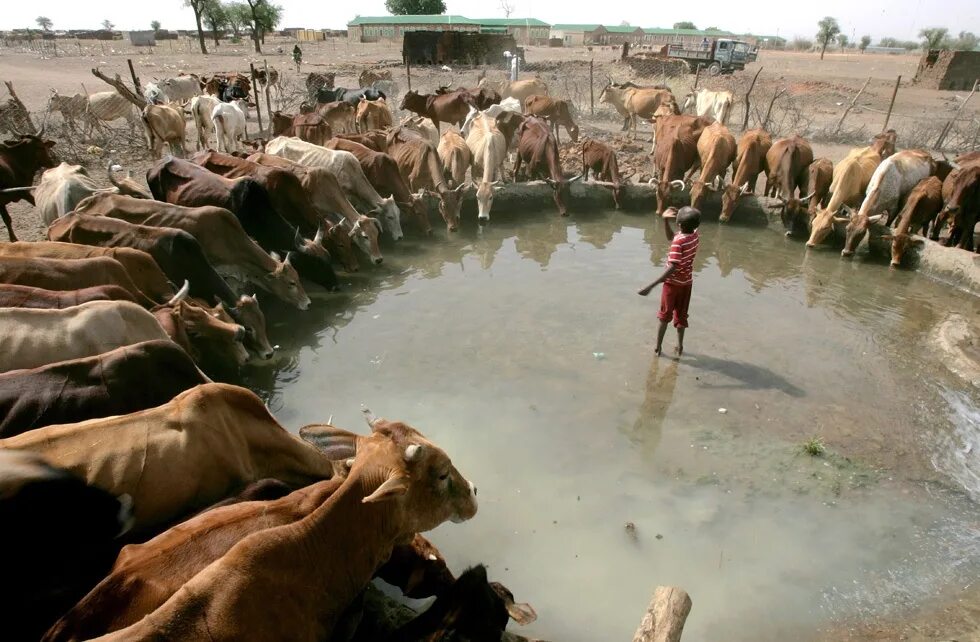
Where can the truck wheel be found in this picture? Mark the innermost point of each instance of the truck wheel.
(714, 69)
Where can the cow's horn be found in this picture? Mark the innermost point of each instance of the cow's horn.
(577, 178)
(318, 237)
(413, 452)
(298, 239)
(240, 333)
(369, 417)
(677, 184)
(181, 294)
(12, 190)
(745, 188)
(808, 197)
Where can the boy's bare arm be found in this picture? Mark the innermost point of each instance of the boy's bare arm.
(669, 213)
(671, 267)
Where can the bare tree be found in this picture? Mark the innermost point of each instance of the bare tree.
(44, 23)
(107, 25)
(197, 6)
(507, 6)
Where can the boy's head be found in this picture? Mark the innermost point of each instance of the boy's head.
(688, 218)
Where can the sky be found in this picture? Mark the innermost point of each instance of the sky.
(896, 18)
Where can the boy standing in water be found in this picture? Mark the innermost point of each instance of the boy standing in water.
(679, 275)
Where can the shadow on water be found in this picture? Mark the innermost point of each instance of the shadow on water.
(657, 398)
(750, 376)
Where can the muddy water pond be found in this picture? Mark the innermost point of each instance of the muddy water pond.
(605, 471)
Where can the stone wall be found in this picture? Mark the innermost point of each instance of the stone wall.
(952, 70)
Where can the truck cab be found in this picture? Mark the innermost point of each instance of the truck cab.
(730, 55)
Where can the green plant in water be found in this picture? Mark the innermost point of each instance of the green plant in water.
(814, 447)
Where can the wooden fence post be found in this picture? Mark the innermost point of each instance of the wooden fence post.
(840, 123)
(408, 72)
(956, 114)
(255, 88)
(888, 116)
(591, 87)
(697, 77)
(665, 617)
(745, 120)
(268, 101)
(775, 96)
(976, 135)
(132, 72)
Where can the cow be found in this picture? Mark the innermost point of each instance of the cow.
(621, 108)
(922, 205)
(227, 87)
(316, 81)
(26, 296)
(449, 108)
(65, 534)
(144, 275)
(201, 109)
(382, 172)
(375, 140)
(508, 123)
(221, 237)
(105, 106)
(345, 167)
(555, 111)
(884, 143)
(33, 337)
(154, 95)
(309, 127)
(372, 114)
(368, 77)
(181, 89)
(519, 89)
(495, 110)
(716, 151)
(851, 178)
(69, 274)
(455, 156)
(405, 494)
(797, 212)
(204, 335)
(163, 124)
(961, 193)
(328, 198)
(182, 455)
(147, 575)
(418, 162)
(711, 104)
(635, 102)
(229, 126)
(61, 188)
(600, 159)
(675, 153)
(352, 96)
(967, 158)
(70, 107)
(20, 159)
(538, 151)
(488, 149)
(788, 171)
(177, 253)
(126, 186)
(750, 161)
(340, 116)
(424, 127)
(102, 385)
(890, 183)
(181, 182)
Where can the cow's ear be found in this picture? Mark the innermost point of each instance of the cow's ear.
(335, 443)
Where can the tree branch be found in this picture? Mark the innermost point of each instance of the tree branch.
(123, 90)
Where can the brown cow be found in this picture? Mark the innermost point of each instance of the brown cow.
(65, 274)
(312, 128)
(788, 162)
(884, 143)
(440, 108)
(26, 296)
(206, 338)
(636, 102)
(419, 164)
(142, 269)
(339, 115)
(163, 124)
(376, 140)
(750, 161)
(675, 153)
(508, 123)
(555, 111)
(20, 159)
(716, 151)
(851, 178)
(372, 114)
(962, 197)
(921, 207)
(538, 150)
(395, 489)
(331, 203)
(382, 172)
(455, 156)
(797, 212)
(600, 158)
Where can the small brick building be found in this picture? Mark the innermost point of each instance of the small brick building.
(945, 69)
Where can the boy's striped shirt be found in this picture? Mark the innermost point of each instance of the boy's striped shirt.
(682, 251)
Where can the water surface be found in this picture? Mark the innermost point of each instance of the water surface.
(524, 351)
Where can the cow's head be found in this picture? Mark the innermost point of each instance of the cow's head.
(283, 282)
(250, 315)
(418, 480)
(337, 239)
(312, 262)
(665, 189)
(573, 131)
(211, 335)
(699, 190)
(822, 225)
(364, 233)
(391, 215)
(729, 197)
(884, 143)
(411, 97)
(484, 199)
(450, 202)
(419, 210)
(793, 211)
(857, 227)
(560, 191)
(901, 242)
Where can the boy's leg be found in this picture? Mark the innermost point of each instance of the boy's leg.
(680, 341)
(682, 301)
(665, 313)
(660, 336)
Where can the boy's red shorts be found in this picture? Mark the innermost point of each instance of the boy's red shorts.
(673, 302)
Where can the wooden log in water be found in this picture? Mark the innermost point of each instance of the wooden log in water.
(665, 617)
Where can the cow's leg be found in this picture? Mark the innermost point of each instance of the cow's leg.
(8, 223)
(517, 167)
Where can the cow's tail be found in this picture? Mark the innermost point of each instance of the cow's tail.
(725, 111)
(219, 129)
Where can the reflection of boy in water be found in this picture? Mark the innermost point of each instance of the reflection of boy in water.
(679, 275)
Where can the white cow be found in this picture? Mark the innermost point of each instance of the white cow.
(423, 126)
(61, 189)
(489, 149)
(507, 104)
(180, 89)
(154, 95)
(716, 104)
(346, 169)
(201, 108)
(229, 126)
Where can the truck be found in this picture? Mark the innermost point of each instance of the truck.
(716, 56)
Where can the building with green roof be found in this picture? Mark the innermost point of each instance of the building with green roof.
(374, 28)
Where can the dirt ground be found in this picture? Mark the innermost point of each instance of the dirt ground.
(809, 96)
